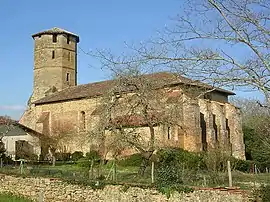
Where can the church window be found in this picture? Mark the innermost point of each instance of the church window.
(215, 127)
(68, 56)
(83, 125)
(169, 131)
(53, 54)
(68, 39)
(54, 38)
(67, 77)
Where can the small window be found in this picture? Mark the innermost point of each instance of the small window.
(68, 56)
(53, 54)
(169, 133)
(67, 77)
(54, 38)
(83, 126)
(68, 39)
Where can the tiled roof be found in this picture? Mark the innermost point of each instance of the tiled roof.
(14, 128)
(90, 90)
(56, 30)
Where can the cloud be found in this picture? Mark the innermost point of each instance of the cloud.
(12, 107)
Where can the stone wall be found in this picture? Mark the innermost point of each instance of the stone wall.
(56, 191)
(226, 134)
(53, 63)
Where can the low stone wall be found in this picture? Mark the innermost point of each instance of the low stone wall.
(56, 191)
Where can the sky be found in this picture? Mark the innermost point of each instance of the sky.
(100, 24)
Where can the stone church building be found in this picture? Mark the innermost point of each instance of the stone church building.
(210, 121)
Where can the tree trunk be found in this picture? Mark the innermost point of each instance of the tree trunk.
(143, 166)
(53, 160)
(147, 155)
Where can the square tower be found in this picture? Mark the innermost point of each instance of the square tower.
(55, 62)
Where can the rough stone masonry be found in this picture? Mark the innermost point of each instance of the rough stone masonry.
(58, 191)
(209, 122)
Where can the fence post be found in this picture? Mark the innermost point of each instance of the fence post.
(152, 172)
(114, 170)
(229, 173)
(91, 170)
(21, 166)
(256, 172)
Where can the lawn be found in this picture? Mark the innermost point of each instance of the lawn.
(7, 197)
(128, 174)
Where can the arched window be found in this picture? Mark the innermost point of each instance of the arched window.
(82, 120)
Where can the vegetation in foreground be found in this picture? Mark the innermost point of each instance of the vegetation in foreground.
(8, 197)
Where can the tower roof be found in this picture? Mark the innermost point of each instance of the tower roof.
(56, 30)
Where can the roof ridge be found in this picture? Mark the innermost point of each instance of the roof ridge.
(98, 88)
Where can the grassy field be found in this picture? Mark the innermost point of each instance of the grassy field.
(6, 197)
(128, 174)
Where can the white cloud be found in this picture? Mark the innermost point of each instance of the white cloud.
(12, 107)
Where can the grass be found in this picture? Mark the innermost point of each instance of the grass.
(8, 197)
(128, 174)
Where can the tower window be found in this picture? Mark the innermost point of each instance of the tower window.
(53, 54)
(67, 77)
(169, 133)
(54, 38)
(68, 56)
(82, 119)
(68, 39)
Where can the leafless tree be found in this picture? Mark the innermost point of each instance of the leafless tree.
(257, 119)
(222, 42)
(60, 136)
(133, 109)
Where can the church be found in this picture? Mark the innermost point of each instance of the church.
(59, 104)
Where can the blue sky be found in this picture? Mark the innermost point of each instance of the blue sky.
(100, 24)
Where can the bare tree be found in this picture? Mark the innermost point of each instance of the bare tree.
(222, 42)
(256, 127)
(133, 111)
(58, 139)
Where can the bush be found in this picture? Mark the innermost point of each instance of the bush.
(133, 160)
(168, 190)
(89, 157)
(175, 167)
(62, 156)
(242, 165)
(177, 156)
(167, 175)
(262, 194)
(76, 155)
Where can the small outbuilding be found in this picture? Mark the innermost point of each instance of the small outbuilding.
(20, 141)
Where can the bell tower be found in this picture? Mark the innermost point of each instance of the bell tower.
(55, 62)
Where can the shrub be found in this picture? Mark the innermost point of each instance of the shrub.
(168, 190)
(60, 156)
(175, 167)
(76, 155)
(89, 157)
(167, 175)
(262, 194)
(133, 160)
(186, 159)
(241, 165)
